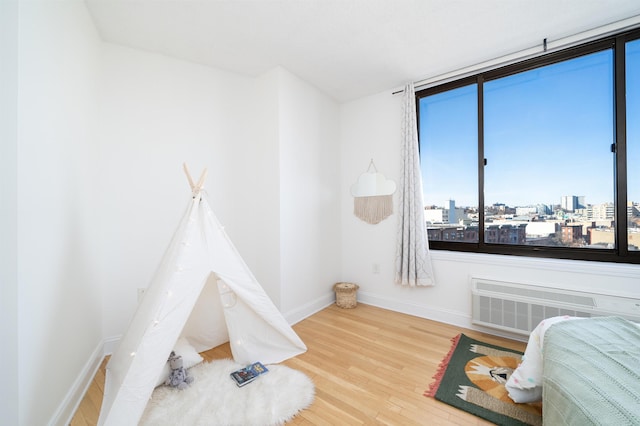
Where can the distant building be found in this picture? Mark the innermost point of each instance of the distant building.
(436, 215)
(607, 237)
(571, 233)
(453, 233)
(602, 237)
(604, 211)
(506, 234)
(524, 211)
(634, 239)
(572, 202)
(543, 209)
(452, 215)
(540, 229)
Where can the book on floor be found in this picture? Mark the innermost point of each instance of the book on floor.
(249, 373)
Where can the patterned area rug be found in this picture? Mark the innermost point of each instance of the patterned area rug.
(472, 378)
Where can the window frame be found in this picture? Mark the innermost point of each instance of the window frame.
(621, 253)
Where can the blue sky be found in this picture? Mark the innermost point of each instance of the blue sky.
(548, 133)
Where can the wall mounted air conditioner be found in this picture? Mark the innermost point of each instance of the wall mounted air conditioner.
(519, 308)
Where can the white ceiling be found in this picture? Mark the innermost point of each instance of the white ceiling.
(348, 48)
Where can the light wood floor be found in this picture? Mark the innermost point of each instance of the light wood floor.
(369, 365)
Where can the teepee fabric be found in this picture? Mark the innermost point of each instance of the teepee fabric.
(203, 291)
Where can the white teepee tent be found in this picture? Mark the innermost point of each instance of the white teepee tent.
(203, 291)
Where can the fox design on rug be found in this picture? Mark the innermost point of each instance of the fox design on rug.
(489, 372)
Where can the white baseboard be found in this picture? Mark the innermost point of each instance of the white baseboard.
(428, 312)
(71, 402)
(419, 310)
(111, 344)
(309, 309)
(458, 319)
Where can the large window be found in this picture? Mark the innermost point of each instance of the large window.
(449, 162)
(540, 158)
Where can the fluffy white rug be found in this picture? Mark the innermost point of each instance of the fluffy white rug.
(214, 399)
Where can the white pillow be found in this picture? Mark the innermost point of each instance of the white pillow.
(525, 383)
(190, 357)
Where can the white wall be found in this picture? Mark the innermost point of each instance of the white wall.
(155, 114)
(112, 128)
(59, 320)
(371, 129)
(270, 145)
(309, 196)
(8, 211)
(262, 207)
(104, 131)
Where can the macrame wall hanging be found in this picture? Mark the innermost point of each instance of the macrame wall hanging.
(373, 196)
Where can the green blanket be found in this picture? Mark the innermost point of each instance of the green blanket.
(592, 373)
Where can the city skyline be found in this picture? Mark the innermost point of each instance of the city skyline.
(445, 203)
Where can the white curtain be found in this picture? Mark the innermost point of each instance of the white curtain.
(413, 263)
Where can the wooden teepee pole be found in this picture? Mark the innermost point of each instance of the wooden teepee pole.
(195, 187)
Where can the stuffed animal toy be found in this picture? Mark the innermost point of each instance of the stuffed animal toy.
(178, 378)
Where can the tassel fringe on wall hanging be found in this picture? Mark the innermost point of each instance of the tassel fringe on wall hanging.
(373, 209)
(373, 196)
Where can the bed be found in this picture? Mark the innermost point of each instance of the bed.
(587, 371)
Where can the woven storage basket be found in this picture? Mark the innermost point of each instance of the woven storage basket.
(346, 295)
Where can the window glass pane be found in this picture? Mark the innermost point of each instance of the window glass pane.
(633, 143)
(449, 163)
(549, 179)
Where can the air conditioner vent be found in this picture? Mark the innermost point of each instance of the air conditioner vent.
(519, 308)
(552, 295)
